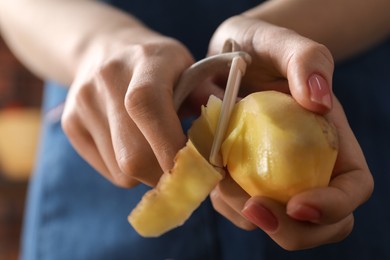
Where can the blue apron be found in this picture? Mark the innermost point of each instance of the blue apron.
(74, 213)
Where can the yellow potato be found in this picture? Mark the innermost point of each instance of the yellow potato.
(276, 148)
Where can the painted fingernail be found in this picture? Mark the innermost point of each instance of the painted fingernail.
(260, 216)
(304, 213)
(320, 90)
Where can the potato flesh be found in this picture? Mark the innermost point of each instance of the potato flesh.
(178, 193)
(202, 130)
(275, 148)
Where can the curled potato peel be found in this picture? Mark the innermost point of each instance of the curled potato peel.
(178, 193)
(273, 147)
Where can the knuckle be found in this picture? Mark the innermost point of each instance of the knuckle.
(245, 224)
(145, 49)
(129, 168)
(320, 51)
(314, 51)
(216, 201)
(113, 76)
(69, 123)
(323, 51)
(124, 181)
(370, 187)
(81, 96)
(297, 243)
(138, 99)
(130, 164)
(139, 166)
(110, 68)
(135, 161)
(153, 49)
(302, 242)
(289, 246)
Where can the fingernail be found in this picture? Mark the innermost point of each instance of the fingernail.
(320, 91)
(260, 216)
(304, 213)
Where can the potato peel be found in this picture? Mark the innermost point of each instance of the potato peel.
(177, 194)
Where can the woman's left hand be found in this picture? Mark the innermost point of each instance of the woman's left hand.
(288, 62)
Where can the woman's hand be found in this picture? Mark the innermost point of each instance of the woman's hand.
(287, 62)
(311, 218)
(281, 60)
(119, 114)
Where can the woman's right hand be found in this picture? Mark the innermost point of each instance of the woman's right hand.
(119, 114)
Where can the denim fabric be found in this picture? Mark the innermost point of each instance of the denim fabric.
(74, 213)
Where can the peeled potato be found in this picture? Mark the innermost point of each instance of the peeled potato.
(273, 147)
(276, 148)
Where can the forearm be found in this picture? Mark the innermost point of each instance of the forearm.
(51, 37)
(344, 26)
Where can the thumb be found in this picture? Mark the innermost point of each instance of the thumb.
(309, 73)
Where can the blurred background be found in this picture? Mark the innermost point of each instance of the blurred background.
(20, 99)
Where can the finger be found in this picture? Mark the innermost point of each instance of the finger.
(149, 103)
(228, 199)
(351, 184)
(83, 99)
(228, 212)
(102, 139)
(291, 234)
(84, 144)
(350, 154)
(326, 205)
(309, 73)
(133, 153)
(307, 65)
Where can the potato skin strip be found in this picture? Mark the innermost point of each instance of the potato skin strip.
(178, 193)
